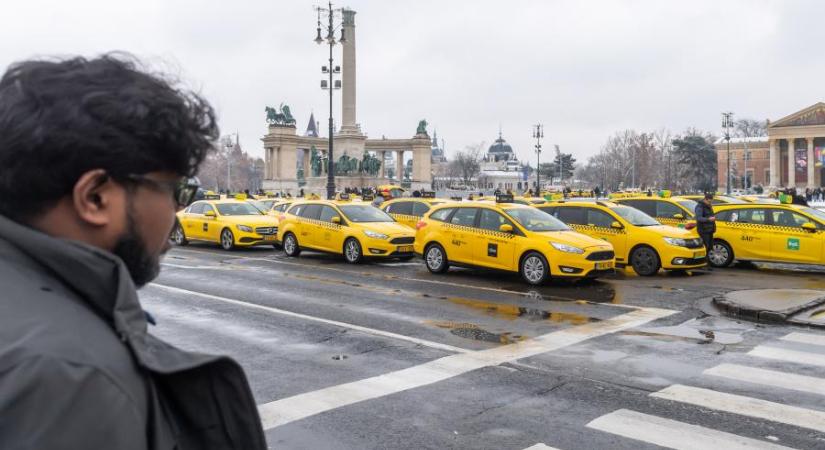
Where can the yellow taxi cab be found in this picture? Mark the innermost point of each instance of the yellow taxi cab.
(356, 230)
(674, 211)
(230, 223)
(638, 239)
(390, 191)
(409, 210)
(511, 237)
(768, 232)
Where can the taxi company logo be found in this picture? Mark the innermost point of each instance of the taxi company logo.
(492, 250)
(793, 244)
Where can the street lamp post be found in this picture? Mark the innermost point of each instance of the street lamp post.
(331, 70)
(727, 124)
(538, 133)
(227, 143)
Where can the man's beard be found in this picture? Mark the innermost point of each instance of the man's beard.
(143, 266)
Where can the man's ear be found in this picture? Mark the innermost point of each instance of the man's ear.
(93, 197)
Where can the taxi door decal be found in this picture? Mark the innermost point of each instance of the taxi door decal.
(205, 227)
(793, 244)
(492, 250)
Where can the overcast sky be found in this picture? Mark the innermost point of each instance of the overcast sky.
(585, 69)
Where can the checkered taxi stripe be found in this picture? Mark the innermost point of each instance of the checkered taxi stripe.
(321, 223)
(405, 217)
(595, 229)
(484, 231)
(763, 227)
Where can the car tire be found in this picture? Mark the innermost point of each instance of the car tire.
(290, 245)
(178, 236)
(721, 255)
(435, 258)
(645, 261)
(353, 252)
(227, 239)
(534, 269)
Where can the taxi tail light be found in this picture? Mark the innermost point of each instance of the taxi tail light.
(421, 224)
(690, 225)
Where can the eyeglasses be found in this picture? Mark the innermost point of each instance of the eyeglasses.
(183, 190)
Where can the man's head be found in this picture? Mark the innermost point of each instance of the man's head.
(708, 198)
(95, 150)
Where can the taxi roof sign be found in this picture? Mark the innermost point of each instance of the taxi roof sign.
(211, 197)
(343, 197)
(427, 194)
(504, 198)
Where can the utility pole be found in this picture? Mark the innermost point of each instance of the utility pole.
(558, 156)
(330, 39)
(538, 133)
(727, 124)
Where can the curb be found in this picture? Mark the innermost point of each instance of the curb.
(733, 309)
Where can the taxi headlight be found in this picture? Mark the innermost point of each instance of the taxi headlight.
(244, 228)
(375, 235)
(679, 242)
(566, 248)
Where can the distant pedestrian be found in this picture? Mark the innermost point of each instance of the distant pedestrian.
(706, 223)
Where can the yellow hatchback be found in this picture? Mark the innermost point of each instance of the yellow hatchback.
(356, 230)
(510, 237)
(768, 232)
(638, 239)
(230, 223)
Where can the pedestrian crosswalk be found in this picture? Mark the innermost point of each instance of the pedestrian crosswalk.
(674, 434)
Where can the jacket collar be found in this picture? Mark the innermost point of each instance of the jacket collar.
(98, 277)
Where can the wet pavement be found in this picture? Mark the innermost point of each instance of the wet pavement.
(386, 355)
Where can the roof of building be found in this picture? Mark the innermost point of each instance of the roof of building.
(500, 146)
(312, 127)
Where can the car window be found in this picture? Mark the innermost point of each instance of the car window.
(491, 220)
(756, 216)
(598, 218)
(550, 210)
(534, 219)
(635, 216)
(442, 214)
(281, 208)
(784, 218)
(405, 208)
(665, 209)
(197, 208)
(723, 216)
(311, 211)
(646, 206)
(327, 213)
(465, 217)
(572, 215)
(206, 208)
(690, 205)
(419, 209)
(296, 210)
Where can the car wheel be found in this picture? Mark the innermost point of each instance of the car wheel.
(227, 239)
(178, 236)
(352, 251)
(645, 261)
(436, 259)
(721, 255)
(534, 268)
(291, 247)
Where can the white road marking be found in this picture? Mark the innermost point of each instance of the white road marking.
(286, 410)
(387, 334)
(745, 406)
(540, 447)
(805, 338)
(771, 378)
(794, 356)
(673, 434)
(182, 266)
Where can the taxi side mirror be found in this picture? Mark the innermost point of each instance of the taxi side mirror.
(506, 228)
(210, 214)
(679, 216)
(808, 226)
(616, 225)
(335, 219)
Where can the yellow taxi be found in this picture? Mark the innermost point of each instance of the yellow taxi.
(673, 211)
(356, 230)
(511, 237)
(768, 232)
(638, 239)
(389, 191)
(409, 211)
(230, 223)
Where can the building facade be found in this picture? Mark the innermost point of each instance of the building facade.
(501, 169)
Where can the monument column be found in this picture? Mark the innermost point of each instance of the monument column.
(791, 163)
(811, 163)
(383, 156)
(267, 164)
(773, 156)
(348, 123)
(399, 166)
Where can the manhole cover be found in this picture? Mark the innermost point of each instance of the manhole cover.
(340, 357)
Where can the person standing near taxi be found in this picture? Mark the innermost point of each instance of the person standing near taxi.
(706, 222)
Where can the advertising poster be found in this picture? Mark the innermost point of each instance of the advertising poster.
(801, 158)
(819, 155)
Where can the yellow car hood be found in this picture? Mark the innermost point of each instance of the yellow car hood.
(572, 238)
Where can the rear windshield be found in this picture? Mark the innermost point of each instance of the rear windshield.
(365, 213)
(237, 209)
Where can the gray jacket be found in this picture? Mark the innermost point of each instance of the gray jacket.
(79, 370)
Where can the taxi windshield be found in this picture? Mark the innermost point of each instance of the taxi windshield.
(689, 204)
(365, 213)
(634, 216)
(536, 220)
(237, 209)
(260, 205)
(816, 213)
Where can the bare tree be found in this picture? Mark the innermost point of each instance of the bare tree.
(467, 163)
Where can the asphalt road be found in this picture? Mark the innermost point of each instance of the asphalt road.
(386, 355)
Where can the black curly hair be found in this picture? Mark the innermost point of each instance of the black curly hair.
(62, 118)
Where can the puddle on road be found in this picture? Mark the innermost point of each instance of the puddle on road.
(473, 331)
(701, 331)
(515, 311)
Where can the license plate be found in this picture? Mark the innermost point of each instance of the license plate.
(270, 237)
(604, 265)
(405, 249)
